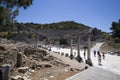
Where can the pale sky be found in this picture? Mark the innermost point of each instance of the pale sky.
(93, 13)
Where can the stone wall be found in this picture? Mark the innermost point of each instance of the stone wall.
(9, 57)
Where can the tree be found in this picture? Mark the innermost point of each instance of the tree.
(63, 41)
(9, 9)
(115, 29)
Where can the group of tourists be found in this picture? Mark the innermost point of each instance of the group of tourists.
(100, 55)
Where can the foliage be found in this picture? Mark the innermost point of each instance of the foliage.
(65, 25)
(62, 41)
(106, 36)
(9, 9)
(6, 34)
(114, 45)
(115, 29)
(31, 36)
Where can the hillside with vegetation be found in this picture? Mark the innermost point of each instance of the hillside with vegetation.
(64, 25)
(113, 45)
(55, 32)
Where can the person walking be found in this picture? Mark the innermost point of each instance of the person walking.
(103, 55)
(94, 53)
(99, 58)
(84, 53)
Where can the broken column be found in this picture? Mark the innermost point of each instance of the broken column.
(19, 59)
(88, 61)
(4, 72)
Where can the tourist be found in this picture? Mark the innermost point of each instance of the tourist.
(74, 53)
(94, 53)
(99, 57)
(103, 55)
(84, 53)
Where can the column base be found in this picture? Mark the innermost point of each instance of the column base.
(71, 56)
(89, 62)
(79, 59)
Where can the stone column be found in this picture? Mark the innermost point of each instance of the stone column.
(88, 61)
(50, 46)
(78, 58)
(19, 59)
(71, 48)
(37, 41)
(78, 46)
(0, 73)
(5, 72)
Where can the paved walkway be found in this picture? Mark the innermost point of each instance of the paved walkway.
(110, 69)
(94, 73)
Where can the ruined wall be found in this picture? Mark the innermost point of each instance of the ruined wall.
(9, 57)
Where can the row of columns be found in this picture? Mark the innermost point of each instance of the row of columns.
(78, 58)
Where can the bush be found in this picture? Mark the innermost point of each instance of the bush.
(63, 41)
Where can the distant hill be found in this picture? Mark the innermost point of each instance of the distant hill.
(60, 25)
(55, 31)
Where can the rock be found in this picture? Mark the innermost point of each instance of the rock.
(32, 70)
(23, 69)
(66, 70)
(2, 48)
(1, 58)
(62, 54)
(71, 69)
(33, 66)
(43, 79)
(18, 77)
(44, 65)
(51, 76)
(26, 78)
(47, 65)
(48, 58)
(66, 55)
(86, 67)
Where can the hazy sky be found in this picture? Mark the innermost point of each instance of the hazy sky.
(93, 13)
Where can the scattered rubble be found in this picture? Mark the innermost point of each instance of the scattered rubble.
(29, 63)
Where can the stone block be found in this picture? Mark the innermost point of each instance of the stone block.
(1, 58)
(18, 77)
(23, 69)
(4, 72)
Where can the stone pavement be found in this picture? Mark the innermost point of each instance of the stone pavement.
(95, 73)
